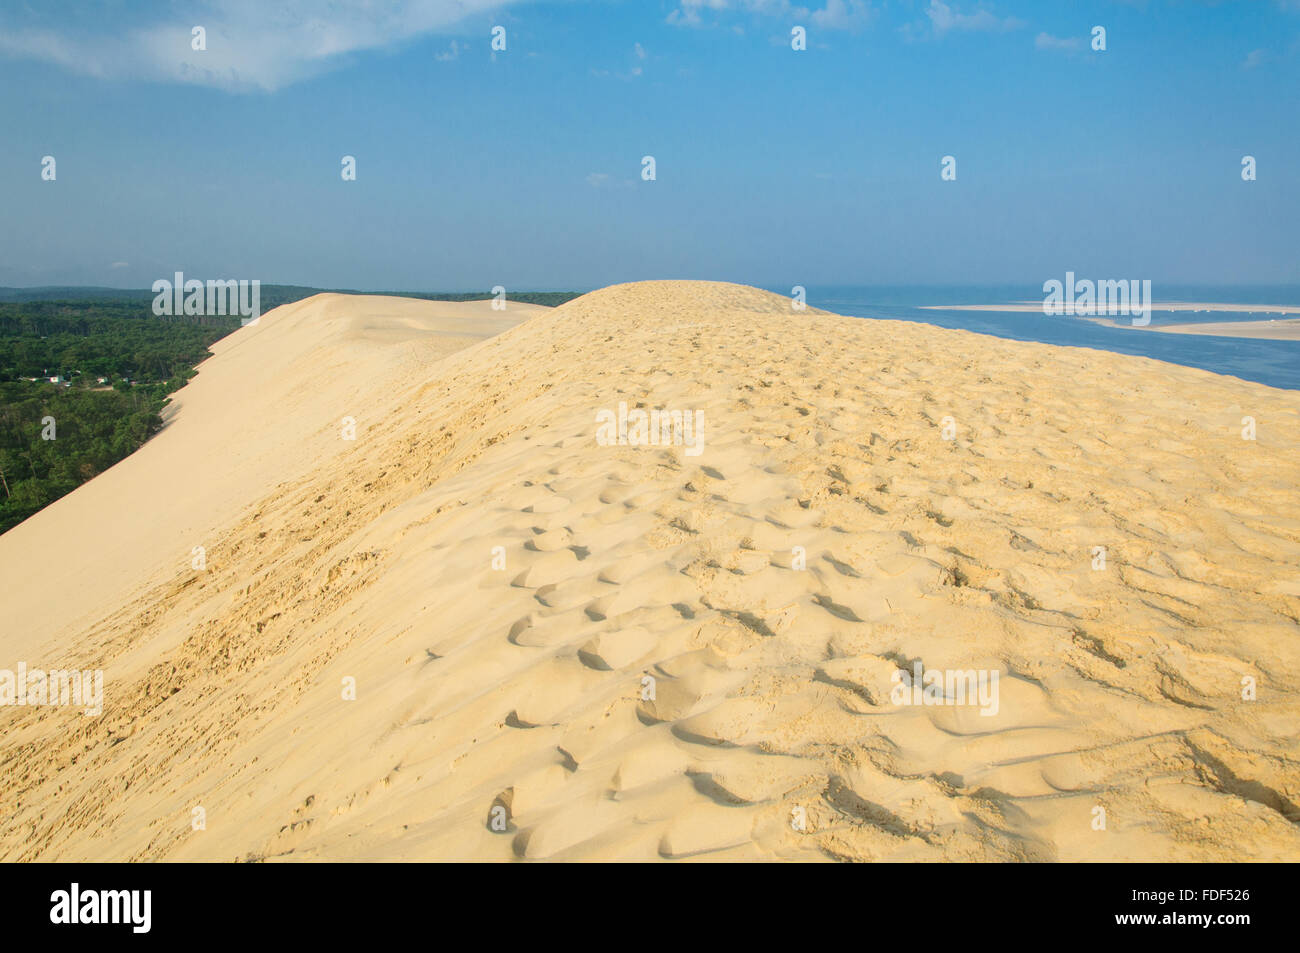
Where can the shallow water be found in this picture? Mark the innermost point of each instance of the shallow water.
(1276, 363)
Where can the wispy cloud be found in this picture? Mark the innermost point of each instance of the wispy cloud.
(1064, 44)
(945, 18)
(250, 44)
(603, 180)
(1254, 58)
(842, 15)
(638, 58)
(831, 15)
(690, 13)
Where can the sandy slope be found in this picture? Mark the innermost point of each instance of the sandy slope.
(522, 687)
(265, 409)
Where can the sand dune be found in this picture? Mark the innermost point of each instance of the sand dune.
(769, 586)
(264, 410)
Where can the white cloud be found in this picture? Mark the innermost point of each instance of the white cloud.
(639, 56)
(1045, 41)
(842, 15)
(251, 44)
(603, 180)
(944, 18)
(688, 14)
(1254, 58)
(833, 15)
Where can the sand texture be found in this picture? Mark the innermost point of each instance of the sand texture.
(519, 692)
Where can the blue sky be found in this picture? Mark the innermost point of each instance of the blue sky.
(774, 167)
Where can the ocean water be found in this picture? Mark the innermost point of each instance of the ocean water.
(1276, 363)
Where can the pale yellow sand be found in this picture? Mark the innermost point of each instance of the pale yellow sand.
(1024, 306)
(1286, 329)
(265, 409)
(522, 687)
(1280, 329)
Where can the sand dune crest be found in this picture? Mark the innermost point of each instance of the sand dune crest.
(679, 655)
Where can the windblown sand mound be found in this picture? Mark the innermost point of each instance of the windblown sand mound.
(767, 589)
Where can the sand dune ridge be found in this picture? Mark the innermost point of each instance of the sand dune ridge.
(828, 535)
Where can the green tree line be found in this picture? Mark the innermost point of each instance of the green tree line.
(54, 438)
(90, 431)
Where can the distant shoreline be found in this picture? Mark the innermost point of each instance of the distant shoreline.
(1286, 329)
(1031, 306)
